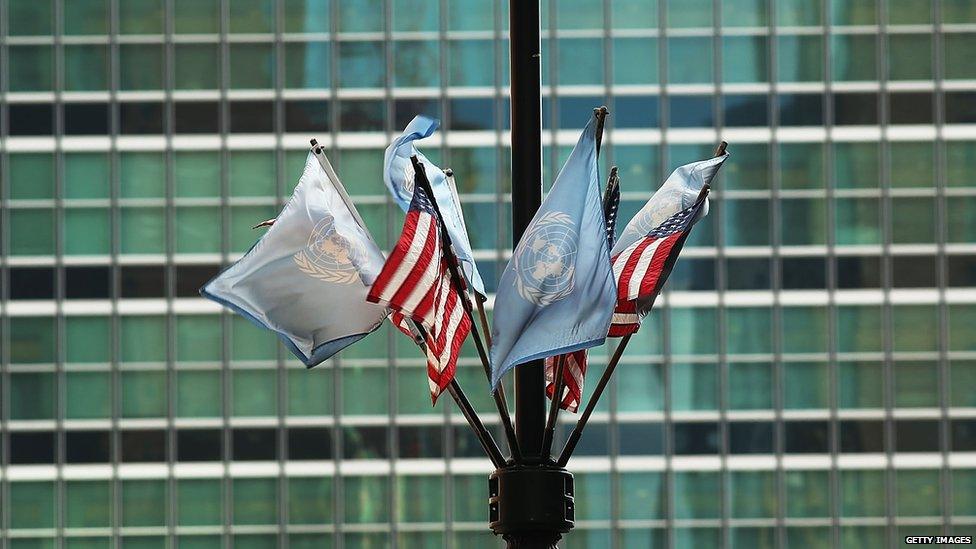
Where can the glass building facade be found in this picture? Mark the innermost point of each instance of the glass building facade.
(807, 380)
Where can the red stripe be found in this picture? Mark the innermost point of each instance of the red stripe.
(396, 258)
(620, 330)
(427, 254)
(649, 284)
(623, 283)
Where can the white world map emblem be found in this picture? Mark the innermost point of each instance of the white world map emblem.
(328, 255)
(545, 262)
(408, 176)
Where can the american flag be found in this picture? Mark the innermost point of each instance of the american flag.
(574, 367)
(643, 267)
(416, 283)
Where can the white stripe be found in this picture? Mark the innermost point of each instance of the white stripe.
(409, 259)
(428, 278)
(452, 325)
(621, 261)
(641, 270)
(625, 318)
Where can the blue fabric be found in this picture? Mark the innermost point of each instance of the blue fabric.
(557, 293)
(307, 277)
(398, 176)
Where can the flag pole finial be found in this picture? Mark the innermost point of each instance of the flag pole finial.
(720, 150)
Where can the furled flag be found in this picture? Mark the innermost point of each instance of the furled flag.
(306, 278)
(681, 190)
(398, 174)
(557, 294)
(574, 364)
(416, 283)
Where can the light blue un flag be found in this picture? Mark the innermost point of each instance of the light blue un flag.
(306, 279)
(398, 176)
(557, 293)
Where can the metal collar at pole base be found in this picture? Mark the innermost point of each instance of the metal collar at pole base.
(531, 507)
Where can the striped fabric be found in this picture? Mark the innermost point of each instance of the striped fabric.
(416, 284)
(574, 371)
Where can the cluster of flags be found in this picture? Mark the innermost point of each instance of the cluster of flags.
(318, 279)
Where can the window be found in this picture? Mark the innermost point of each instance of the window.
(420, 498)
(806, 385)
(141, 67)
(367, 499)
(745, 59)
(255, 500)
(804, 329)
(30, 68)
(803, 221)
(801, 165)
(917, 493)
(196, 16)
(750, 386)
(909, 57)
(807, 494)
(858, 385)
(85, 67)
(254, 392)
(143, 502)
(88, 504)
(199, 502)
(694, 13)
(143, 394)
(800, 57)
(645, 497)
(580, 61)
(753, 494)
(252, 16)
(858, 328)
(30, 17)
(746, 221)
(857, 221)
(310, 500)
(86, 17)
(627, 50)
(854, 56)
(745, 13)
(32, 504)
(682, 48)
(89, 395)
(694, 495)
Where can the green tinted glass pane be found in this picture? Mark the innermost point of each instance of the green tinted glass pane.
(958, 11)
(32, 504)
(255, 16)
(31, 175)
(962, 376)
(30, 17)
(141, 17)
(88, 504)
(857, 221)
(143, 338)
(750, 171)
(579, 14)
(252, 173)
(255, 501)
(625, 51)
(31, 231)
(806, 385)
(86, 17)
(962, 224)
(800, 58)
(804, 329)
(799, 12)
(688, 13)
(143, 542)
(32, 395)
(143, 394)
(916, 384)
(307, 15)
(753, 494)
(683, 48)
(307, 65)
(745, 13)
(957, 64)
(853, 12)
(87, 231)
(858, 385)
(409, 400)
(32, 339)
(694, 495)
(909, 56)
(361, 64)
(467, 490)
(807, 494)
(962, 318)
(750, 386)
(856, 165)
(912, 164)
(86, 175)
(803, 221)
(351, 16)
(197, 174)
(250, 342)
(915, 327)
(862, 493)
(914, 220)
(32, 543)
(580, 61)
(143, 502)
(360, 381)
(366, 499)
(242, 221)
(140, 67)
(960, 163)
(196, 16)
(640, 388)
(964, 492)
(693, 331)
(420, 498)
(143, 230)
(87, 338)
(909, 12)
(30, 68)
(254, 392)
(251, 66)
(854, 57)
(694, 386)
(416, 63)
(745, 59)
(198, 393)
(310, 500)
(199, 502)
(858, 328)
(142, 174)
(470, 15)
(596, 505)
(198, 338)
(196, 67)
(644, 497)
(749, 330)
(917, 493)
(746, 222)
(85, 67)
(471, 62)
(88, 395)
(197, 229)
(310, 392)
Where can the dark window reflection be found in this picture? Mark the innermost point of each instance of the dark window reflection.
(472, 114)
(695, 438)
(309, 443)
(143, 281)
(636, 111)
(255, 444)
(405, 109)
(641, 439)
(87, 282)
(594, 442)
(800, 109)
(199, 445)
(32, 447)
(86, 118)
(252, 116)
(747, 273)
(190, 278)
(574, 112)
(307, 116)
(30, 118)
(142, 446)
(917, 436)
(915, 271)
(31, 283)
(420, 441)
(746, 110)
(858, 272)
(140, 118)
(803, 273)
(466, 443)
(859, 436)
(364, 443)
(750, 437)
(960, 107)
(693, 274)
(87, 447)
(962, 270)
(806, 437)
(361, 116)
(691, 111)
(910, 108)
(963, 435)
(852, 109)
(197, 117)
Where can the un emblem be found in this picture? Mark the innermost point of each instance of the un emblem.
(408, 178)
(545, 261)
(660, 211)
(328, 255)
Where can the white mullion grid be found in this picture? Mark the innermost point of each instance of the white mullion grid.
(60, 214)
(4, 289)
(115, 277)
(280, 366)
(227, 492)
